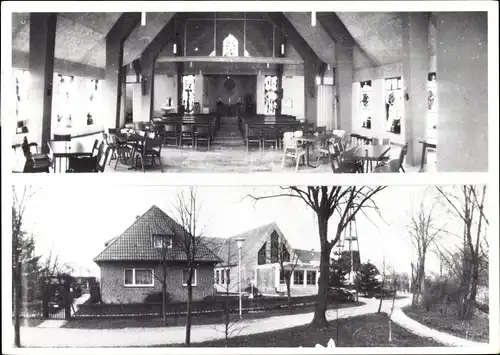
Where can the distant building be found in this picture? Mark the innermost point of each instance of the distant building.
(260, 263)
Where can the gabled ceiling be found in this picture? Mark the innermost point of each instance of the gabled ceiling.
(378, 34)
(81, 37)
(316, 36)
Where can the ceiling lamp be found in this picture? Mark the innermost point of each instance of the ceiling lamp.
(313, 18)
(143, 19)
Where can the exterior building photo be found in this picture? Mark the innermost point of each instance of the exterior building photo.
(263, 250)
(131, 268)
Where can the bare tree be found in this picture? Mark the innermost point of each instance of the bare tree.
(343, 201)
(187, 210)
(467, 204)
(287, 262)
(423, 232)
(231, 325)
(19, 202)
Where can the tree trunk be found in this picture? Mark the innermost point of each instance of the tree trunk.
(164, 298)
(319, 319)
(188, 316)
(17, 307)
(421, 280)
(289, 294)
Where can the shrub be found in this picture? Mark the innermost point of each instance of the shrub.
(441, 294)
(95, 294)
(256, 292)
(156, 297)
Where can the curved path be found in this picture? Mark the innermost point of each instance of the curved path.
(136, 337)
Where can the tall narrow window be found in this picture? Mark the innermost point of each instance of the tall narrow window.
(394, 104)
(261, 255)
(63, 97)
(270, 96)
(274, 247)
(22, 88)
(431, 105)
(366, 104)
(230, 46)
(188, 93)
(92, 92)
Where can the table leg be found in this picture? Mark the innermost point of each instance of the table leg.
(424, 150)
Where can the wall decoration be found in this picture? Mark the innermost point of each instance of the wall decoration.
(366, 104)
(394, 104)
(229, 84)
(270, 96)
(188, 93)
(23, 82)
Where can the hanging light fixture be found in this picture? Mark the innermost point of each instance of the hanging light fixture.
(313, 18)
(143, 19)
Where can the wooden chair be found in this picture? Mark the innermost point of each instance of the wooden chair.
(340, 165)
(269, 135)
(171, 133)
(121, 150)
(402, 155)
(392, 166)
(324, 149)
(151, 149)
(202, 134)
(186, 134)
(103, 161)
(253, 136)
(292, 150)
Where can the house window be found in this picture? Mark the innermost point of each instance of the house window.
(223, 276)
(261, 255)
(285, 255)
(185, 277)
(431, 105)
(161, 241)
(311, 277)
(217, 276)
(188, 93)
(366, 104)
(228, 276)
(274, 247)
(139, 277)
(282, 277)
(298, 277)
(230, 46)
(394, 104)
(270, 96)
(23, 82)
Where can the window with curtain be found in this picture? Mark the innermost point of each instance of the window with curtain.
(431, 105)
(139, 277)
(185, 277)
(270, 95)
(365, 106)
(162, 241)
(188, 93)
(23, 82)
(394, 104)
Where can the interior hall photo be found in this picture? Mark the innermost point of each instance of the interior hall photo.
(306, 92)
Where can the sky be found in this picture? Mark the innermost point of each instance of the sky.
(74, 223)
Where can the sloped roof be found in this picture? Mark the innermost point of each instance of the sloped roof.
(136, 244)
(308, 256)
(226, 248)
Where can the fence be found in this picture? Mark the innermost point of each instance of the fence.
(198, 307)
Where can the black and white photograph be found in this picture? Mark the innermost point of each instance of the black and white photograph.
(312, 266)
(236, 194)
(246, 92)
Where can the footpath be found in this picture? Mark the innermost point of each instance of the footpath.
(45, 336)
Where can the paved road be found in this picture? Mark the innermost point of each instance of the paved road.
(130, 337)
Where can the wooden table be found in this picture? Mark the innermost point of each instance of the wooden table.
(309, 140)
(67, 149)
(430, 143)
(366, 153)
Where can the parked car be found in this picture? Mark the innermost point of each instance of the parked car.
(340, 294)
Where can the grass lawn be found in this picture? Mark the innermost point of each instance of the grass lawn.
(148, 321)
(363, 331)
(477, 329)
